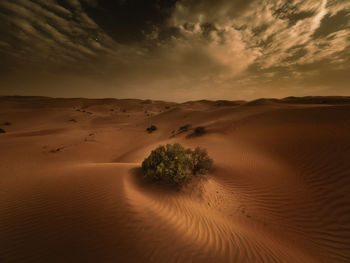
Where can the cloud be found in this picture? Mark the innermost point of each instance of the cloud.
(204, 11)
(332, 23)
(268, 34)
(46, 32)
(178, 50)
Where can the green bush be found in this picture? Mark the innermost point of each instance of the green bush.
(173, 164)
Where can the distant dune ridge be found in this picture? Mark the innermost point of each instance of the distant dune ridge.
(70, 191)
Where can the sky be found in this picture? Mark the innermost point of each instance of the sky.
(175, 50)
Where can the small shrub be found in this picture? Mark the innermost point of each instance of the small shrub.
(198, 131)
(151, 128)
(185, 128)
(2, 131)
(175, 165)
(7, 123)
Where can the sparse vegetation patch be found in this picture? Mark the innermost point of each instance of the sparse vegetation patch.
(198, 131)
(185, 128)
(151, 128)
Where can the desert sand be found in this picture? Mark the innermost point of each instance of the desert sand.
(71, 188)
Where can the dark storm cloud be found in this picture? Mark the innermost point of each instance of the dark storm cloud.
(129, 21)
(175, 50)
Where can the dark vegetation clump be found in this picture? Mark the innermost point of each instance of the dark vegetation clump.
(57, 150)
(173, 164)
(167, 107)
(2, 131)
(185, 128)
(198, 131)
(7, 123)
(151, 128)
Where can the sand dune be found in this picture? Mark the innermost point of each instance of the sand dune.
(71, 191)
